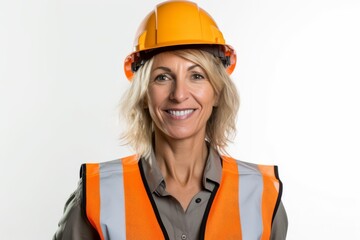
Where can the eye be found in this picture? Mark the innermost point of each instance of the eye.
(197, 76)
(161, 78)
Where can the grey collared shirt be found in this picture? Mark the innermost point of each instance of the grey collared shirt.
(179, 224)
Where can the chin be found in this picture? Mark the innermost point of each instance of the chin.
(180, 134)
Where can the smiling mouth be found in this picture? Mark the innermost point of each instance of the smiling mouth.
(180, 113)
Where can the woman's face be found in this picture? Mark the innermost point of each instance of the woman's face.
(180, 97)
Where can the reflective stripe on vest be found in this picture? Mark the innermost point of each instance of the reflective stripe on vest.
(119, 207)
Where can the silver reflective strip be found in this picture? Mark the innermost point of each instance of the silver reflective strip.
(250, 204)
(112, 202)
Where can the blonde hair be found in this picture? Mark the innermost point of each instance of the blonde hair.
(221, 125)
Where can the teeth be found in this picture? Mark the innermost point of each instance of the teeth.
(180, 113)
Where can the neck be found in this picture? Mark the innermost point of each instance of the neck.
(181, 161)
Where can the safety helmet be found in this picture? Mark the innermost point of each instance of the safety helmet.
(177, 25)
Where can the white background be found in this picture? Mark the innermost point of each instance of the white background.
(297, 73)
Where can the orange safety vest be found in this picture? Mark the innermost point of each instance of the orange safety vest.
(119, 205)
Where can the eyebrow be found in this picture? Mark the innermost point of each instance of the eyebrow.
(166, 69)
(162, 68)
(193, 66)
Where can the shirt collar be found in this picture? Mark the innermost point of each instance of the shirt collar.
(155, 180)
(152, 172)
(213, 169)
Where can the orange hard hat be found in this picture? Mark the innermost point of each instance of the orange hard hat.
(174, 25)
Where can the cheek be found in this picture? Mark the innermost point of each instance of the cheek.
(151, 97)
(207, 96)
(155, 97)
(151, 106)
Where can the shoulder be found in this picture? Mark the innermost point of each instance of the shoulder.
(108, 167)
(247, 168)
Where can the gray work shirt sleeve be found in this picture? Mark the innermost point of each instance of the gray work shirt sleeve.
(74, 225)
(280, 224)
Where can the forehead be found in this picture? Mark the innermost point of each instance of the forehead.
(171, 60)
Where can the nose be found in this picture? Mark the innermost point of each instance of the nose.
(179, 91)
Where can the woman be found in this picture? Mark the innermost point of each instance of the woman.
(181, 110)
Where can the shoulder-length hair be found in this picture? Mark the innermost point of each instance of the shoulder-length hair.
(221, 126)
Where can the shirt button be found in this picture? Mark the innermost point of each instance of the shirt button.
(183, 237)
(198, 200)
